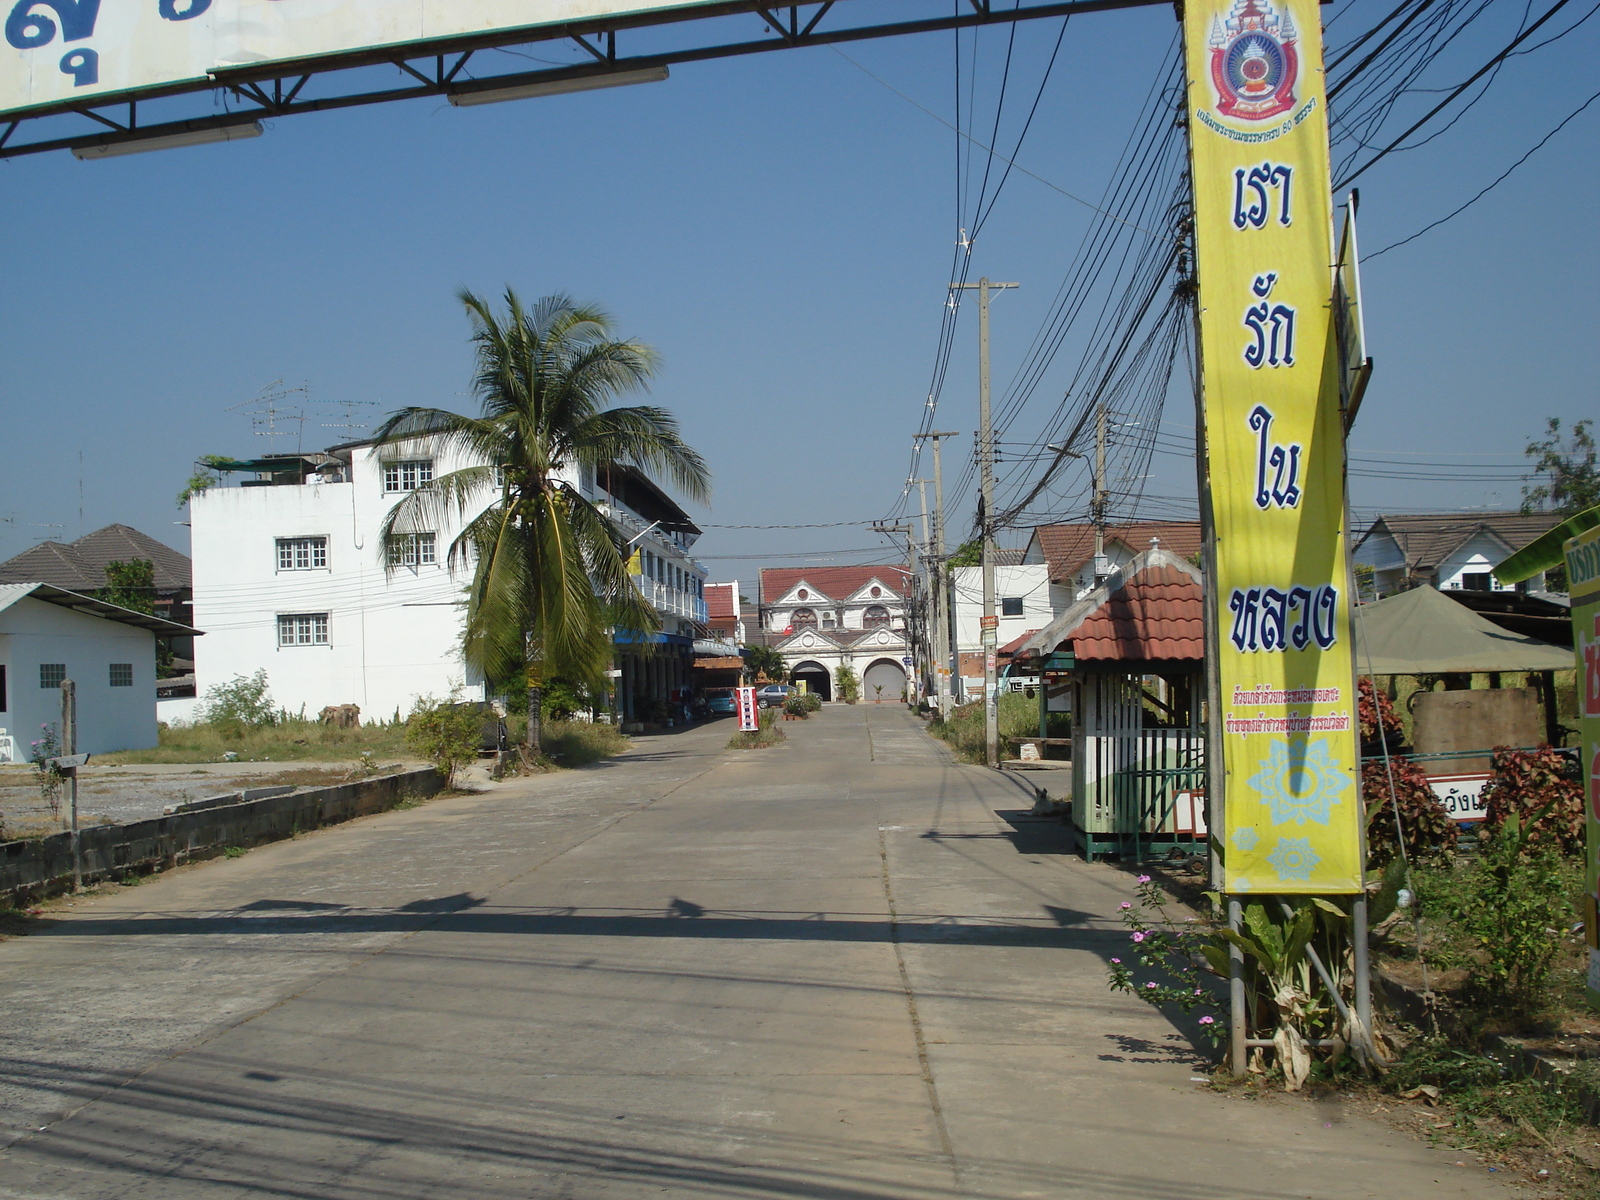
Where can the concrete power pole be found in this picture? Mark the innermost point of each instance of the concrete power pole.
(991, 620)
(943, 677)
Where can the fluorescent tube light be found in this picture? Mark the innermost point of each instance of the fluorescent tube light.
(555, 87)
(170, 141)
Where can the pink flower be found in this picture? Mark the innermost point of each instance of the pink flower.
(1150, 985)
(1208, 1020)
(1124, 906)
(1144, 879)
(1118, 961)
(1138, 937)
(1198, 992)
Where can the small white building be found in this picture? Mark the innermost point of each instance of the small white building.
(290, 577)
(48, 634)
(1025, 602)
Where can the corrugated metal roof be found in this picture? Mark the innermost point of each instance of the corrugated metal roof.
(1152, 609)
(10, 593)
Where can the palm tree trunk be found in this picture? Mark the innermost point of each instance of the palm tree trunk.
(535, 698)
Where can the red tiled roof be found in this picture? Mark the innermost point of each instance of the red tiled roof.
(1157, 614)
(1015, 644)
(1068, 547)
(719, 601)
(834, 583)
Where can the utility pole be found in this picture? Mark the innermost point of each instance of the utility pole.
(911, 635)
(991, 620)
(926, 559)
(1099, 491)
(941, 593)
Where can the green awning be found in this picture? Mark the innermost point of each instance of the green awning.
(1424, 632)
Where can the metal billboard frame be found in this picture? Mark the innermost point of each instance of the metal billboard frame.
(276, 89)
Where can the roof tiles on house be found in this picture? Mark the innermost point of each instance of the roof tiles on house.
(1152, 609)
(1068, 548)
(832, 583)
(80, 566)
(1157, 614)
(719, 602)
(1427, 539)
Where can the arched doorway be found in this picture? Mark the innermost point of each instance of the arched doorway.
(816, 678)
(885, 674)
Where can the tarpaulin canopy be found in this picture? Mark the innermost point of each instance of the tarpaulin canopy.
(1424, 632)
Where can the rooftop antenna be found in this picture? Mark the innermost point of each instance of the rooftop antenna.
(266, 410)
(349, 425)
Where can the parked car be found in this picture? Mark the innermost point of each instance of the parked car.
(720, 702)
(773, 695)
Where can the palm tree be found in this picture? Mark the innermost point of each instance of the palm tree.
(549, 571)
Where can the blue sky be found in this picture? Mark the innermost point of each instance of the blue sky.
(780, 227)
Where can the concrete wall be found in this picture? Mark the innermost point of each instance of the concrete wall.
(109, 718)
(39, 867)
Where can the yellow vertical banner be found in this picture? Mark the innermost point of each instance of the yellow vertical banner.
(1583, 583)
(1274, 440)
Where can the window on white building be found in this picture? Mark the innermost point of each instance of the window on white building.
(407, 476)
(51, 674)
(303, 629)
(876, 616)
(121, 674)
(1011, 606)
(414, 549)
(302, 554)
(1477, 581)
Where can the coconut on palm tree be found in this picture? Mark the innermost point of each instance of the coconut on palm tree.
(549, 571)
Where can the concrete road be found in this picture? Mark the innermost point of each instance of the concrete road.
(842, 968)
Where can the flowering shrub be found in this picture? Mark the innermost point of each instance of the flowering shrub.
(1428, 827)
(47, 746)
(1174, 952)
(1375, 708)
(1522, 782)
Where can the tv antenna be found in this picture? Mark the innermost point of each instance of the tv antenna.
(267, 410)
(349, 425)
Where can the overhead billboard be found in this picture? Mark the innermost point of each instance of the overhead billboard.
(61, 52)
(1274, 443)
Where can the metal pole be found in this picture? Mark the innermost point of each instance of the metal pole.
(1238, 1027)
(69, 745)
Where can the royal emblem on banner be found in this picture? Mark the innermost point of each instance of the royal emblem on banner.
(1253, 61)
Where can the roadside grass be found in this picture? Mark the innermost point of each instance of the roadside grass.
(579, 743)
(770, 734)
(291, 739)
(1019, 717)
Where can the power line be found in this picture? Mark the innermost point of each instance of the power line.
(1501, 178)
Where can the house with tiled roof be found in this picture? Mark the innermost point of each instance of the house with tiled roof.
(80, 566)
(1068, 549)
(822, 618)
(1449, 551)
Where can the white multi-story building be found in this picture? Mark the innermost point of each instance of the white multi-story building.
(290, 576)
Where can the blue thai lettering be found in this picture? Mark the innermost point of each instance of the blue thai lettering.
(27, 28)
(1251, 204)
(83, 65)
(1265, 618)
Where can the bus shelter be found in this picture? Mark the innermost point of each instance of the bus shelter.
(1133, 653)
